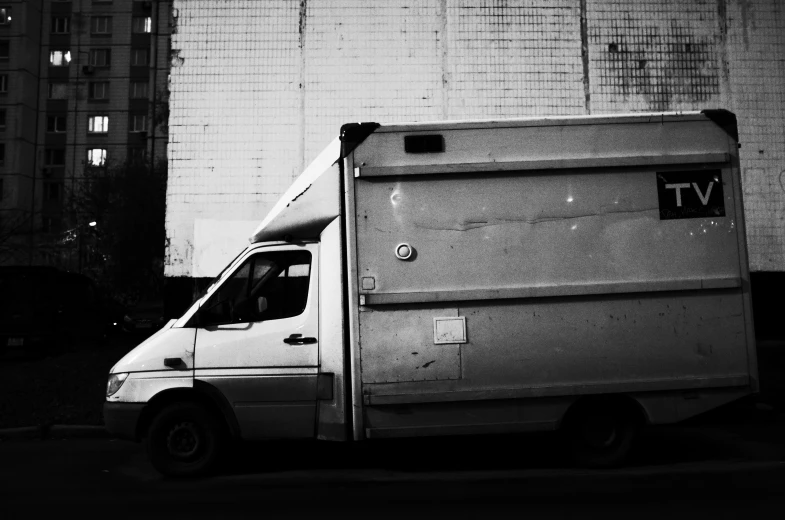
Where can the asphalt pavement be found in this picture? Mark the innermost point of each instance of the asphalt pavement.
(674, 470)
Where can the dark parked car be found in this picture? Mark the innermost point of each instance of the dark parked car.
(45, 309)
(145, 318)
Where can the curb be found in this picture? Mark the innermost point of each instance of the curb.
(538, 481)
(55, 431)
(683, 469)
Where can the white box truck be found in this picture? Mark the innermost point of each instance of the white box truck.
(587, 273)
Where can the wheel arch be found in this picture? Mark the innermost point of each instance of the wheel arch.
(202, 393)
(627, 403)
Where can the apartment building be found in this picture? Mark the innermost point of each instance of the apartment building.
(83, 84)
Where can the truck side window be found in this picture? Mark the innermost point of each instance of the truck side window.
(279, 280)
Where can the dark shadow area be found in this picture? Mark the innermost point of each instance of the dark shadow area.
(767, 288)
(423, 455)
(532, 451)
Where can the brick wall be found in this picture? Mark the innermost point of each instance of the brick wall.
(259, 88)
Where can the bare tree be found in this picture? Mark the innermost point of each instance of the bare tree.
(119, 225)
(14, 236)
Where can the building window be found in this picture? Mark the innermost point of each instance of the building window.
(58, 91)
(54, 157)
(5, 15)
(59, 58)
(2, 118)
(3, 83)
(98, 90)
(61, 25)
(98, 124)
(139, 57)
(55, 124)
(5, 49)
(139, 90)
(101, 25)
(96, 157)
(100, 57)
(2, 154)
(142, 24)
(2, 193)
(52, 191)
(138, 123)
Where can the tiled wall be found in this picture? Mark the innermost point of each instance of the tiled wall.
(259, 88)
(756, 64)
(653, 55)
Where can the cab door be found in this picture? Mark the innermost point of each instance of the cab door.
(257, 342)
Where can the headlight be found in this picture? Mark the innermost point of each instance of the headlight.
(114, 383)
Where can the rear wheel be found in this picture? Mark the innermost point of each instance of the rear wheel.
(600, 433)
(184, 440)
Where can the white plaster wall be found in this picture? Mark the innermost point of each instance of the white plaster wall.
(260, 87)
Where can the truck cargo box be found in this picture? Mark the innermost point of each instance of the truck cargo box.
(550, 257)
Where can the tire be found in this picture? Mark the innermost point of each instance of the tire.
(184, 440)
(601, 434)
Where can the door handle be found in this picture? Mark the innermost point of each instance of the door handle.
(297, 339)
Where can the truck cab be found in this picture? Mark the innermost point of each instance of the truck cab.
(255, 357)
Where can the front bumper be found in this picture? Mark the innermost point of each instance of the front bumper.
(121, 419)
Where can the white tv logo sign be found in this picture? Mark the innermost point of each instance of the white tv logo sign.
(706, 201)
(685, 185)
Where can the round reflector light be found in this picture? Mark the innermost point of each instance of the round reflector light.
(403, 251)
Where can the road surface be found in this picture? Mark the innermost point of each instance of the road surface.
(676, 471)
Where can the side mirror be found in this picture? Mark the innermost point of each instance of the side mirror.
(261, 304)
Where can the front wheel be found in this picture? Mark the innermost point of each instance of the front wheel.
(184, 440)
